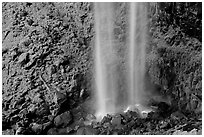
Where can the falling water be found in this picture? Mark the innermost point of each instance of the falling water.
(104, 59)
(137, 43)
(107, 91)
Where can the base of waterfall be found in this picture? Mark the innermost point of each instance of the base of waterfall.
(140, 120)
(140, 109)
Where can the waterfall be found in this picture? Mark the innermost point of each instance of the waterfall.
(107, 91)
(137, 45)
(104, 58)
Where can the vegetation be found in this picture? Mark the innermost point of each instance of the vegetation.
(175, 58)
(47, 67)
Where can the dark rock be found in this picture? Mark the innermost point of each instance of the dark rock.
(20, 131)
(178, 115)
(42, 110)
(164, 124)
(133, 114)
(18, 102)
(52, 131)
(59, 98)
(154, 115)
(163, 107)
(130, 124)
(63, 120)
(23, 112)
(150, 126)
(79, 122)
(106, 119)
(86, 131)
(32, 108)
(30, 22)
(65, 131)
(46, 125)
(37, 128)
(90, 117)
(51, 117)
(14, 119)
(116, 121)
(8, 132)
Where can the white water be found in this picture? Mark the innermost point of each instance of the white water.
(137, 38)
(105, 58)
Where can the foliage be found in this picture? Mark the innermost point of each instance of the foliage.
(175, 58)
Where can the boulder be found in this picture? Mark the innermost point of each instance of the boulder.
(63, 120)
(65, 131)
(116, 121)
(178, 115)
(52, 131)
(23, 58)
(86, 131)
(8, 132)
(36, 128)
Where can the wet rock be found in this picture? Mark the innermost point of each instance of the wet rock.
(130, 124)
(37, 128)
(65, 131)
(90, 117)
(52, 131)
(154, 115)
(133, 114)
(8, 132)
(107, 125)
(23, 58)
(106, 119)
(178, 115)
(116, 121)
(86, 131)
(82, 93)
(63, 120)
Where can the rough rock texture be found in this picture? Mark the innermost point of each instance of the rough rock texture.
(63, 119)
(47, 64)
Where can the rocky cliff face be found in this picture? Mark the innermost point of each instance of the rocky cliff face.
(47, 72)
